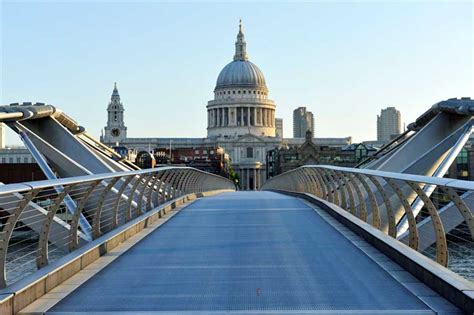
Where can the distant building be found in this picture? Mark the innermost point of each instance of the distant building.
(2, 136)
(463, 166)
(310, 152)
(206, 158)
(18, 155)
(302, 122)
(389, 124)
(18, 165)
(279, 127)
(360, 151)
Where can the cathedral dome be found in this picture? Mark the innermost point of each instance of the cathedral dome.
(241, 73)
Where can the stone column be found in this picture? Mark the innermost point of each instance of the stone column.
(248, 178)
(258, 178)
(254, 179)
(241, 116)
(255, 116)
(248, 116)
(264, 121)
(240, 178)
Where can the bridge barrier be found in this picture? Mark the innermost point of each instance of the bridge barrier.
(373, 197)
(36, 227)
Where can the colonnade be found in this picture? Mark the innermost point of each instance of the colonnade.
(241, 116)
(251, 178)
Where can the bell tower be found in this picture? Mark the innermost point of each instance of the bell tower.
(115, 131)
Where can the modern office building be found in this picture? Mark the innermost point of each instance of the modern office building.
(303, 121)
(279, 127)
(389, 124)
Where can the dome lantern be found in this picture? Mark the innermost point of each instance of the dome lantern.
(241, 45)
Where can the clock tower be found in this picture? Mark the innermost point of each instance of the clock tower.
(115, 131)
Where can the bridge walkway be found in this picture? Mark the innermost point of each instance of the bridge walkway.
(259, 252)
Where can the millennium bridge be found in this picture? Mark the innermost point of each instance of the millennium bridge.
(102, 236)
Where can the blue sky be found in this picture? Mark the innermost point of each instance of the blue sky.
(343, 60)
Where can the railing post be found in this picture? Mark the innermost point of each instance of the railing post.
(149, 203)
(341, 187)
(413, 239)
(335, 188)
(115, 211)
(362, 207)
(98, 212)
(42, 254)
(128, 209)
(74, 225)
(185, 182)
(162, 188)
(462, 207)
(142, 194)
(171, 185)
(392, 227)
(441, 243)
(348, 185)
(327, 189)
(373, 202)
(322, 189)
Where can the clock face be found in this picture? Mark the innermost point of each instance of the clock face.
(115, 132)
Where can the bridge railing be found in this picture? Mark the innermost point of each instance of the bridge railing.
(384, 199)
(44, 220)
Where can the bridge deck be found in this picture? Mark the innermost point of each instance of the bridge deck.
(244, 251)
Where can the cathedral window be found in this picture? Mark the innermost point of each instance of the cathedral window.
(249, 152)
(245, 92)
(239, 91)
(233, 92)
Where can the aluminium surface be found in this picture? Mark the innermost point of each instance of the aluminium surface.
(243, 252)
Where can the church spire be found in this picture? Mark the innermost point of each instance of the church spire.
(115, 93)
(240, 45)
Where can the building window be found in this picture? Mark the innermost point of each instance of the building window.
(233, 92)
(4, 160)
(196, 151)
(462, 165)
(25, 160)
(204, 151)
(249, 152)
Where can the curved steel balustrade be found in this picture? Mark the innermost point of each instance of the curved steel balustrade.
(37, 228)
(373, 197)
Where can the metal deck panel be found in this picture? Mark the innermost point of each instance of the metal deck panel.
(243, 251)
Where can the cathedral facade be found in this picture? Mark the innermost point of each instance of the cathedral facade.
(240, 118)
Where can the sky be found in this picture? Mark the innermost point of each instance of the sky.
(344, 61)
